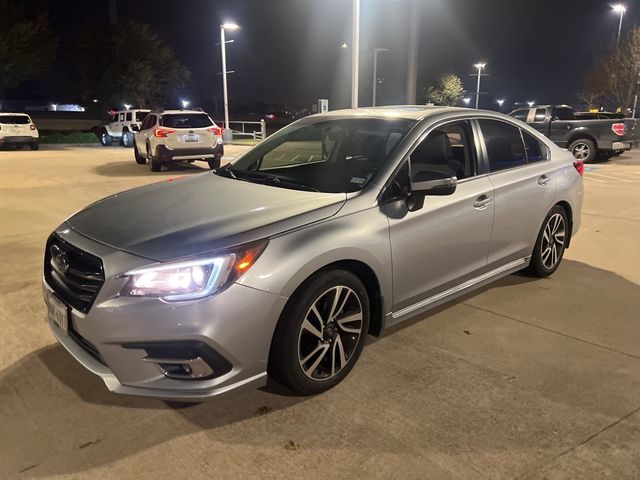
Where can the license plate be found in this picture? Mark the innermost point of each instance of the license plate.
(191, 137)
(58, 313)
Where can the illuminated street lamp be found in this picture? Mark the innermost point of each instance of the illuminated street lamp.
(127, 106)
(185, 103)
(479, 66)
(355, 54)
(621, 9)
(223, 43)
(466, 101)
(531, 104)
(500, 102)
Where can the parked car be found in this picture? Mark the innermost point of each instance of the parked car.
(121, 127)
(585, 138)
(17, 129)
(340, 225)
(177, 135)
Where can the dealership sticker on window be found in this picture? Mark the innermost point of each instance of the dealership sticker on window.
(358, 180)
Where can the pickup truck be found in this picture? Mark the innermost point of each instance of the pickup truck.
(586, 139)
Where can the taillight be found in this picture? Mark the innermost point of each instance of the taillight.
(32, 126)
(579, 164)
(162, 132)
(215, 130)
(618, 129)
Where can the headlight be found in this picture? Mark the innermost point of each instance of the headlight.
(194, 278)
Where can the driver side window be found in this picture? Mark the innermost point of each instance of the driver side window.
(448, 151)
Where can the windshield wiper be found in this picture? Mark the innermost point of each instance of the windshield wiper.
(270, 179)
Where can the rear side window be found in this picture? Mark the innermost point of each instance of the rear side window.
(536, 150)
(505, 148)
(563, 114)
(129, 116)
(186, 120)
(122, 117)
(140, 116)
(521, 114)
(148, 122)
(15, 119)
(540, 115)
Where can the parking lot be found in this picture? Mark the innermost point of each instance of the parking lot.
(527, 378)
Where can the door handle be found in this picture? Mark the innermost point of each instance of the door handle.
(543, 180)
(482, 201)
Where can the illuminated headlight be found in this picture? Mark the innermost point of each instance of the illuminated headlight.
(194, 278)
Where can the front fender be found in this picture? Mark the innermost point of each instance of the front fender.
(294, 256)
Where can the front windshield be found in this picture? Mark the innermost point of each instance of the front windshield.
(335, 156)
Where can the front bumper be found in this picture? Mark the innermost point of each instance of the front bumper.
(237, 324)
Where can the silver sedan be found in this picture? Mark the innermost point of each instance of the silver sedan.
(338, 226)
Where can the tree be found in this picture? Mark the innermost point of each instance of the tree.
(128, 63)
(447, 91)
(615, 75)
(27, 46)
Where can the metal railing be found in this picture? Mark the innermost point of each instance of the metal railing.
(243, 132)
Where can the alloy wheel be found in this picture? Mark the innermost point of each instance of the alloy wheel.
(581, 151)
(330, 333)
(553, 241)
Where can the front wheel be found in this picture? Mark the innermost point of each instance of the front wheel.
(105, 139)
(550, 244)
(583, 149)
(127, 139)
(321, 332)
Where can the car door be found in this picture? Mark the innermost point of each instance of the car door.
(446, 241)
(523, 181)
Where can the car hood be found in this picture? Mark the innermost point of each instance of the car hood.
(199, 214)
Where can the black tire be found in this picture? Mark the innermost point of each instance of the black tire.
(35, 145)
(334, 346)
(215, 163)
(105, 139)
(140, 159)
(583, 149)
(127, 139)
(540, 265)
(154, 164)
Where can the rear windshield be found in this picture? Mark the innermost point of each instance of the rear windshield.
(140, 116)
(15, 119)
(186, 120)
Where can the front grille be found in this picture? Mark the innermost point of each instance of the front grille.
(75, 275)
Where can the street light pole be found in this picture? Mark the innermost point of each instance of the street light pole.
(375, 71)
(223, 46)
(479, 66)
(621, 9)
(355, 54)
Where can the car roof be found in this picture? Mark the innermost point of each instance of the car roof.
(164, 112)
(406, 112)
(16, 113)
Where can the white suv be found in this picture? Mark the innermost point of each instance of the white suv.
(18, 129)
(174, 135)
(123, 124)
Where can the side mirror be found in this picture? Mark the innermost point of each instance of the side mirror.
(426, 183)
(135, 128)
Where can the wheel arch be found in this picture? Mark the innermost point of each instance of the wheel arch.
(568, 210)
(582, 136)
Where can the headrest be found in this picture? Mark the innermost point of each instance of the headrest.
(435, 150)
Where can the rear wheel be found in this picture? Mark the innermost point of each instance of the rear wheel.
(550, 244)
(215, 163)
(140, 159)
(154, 163)
(105, 139)
(321, 332)
(583, 149)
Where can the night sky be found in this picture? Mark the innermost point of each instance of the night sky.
(288, 51)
